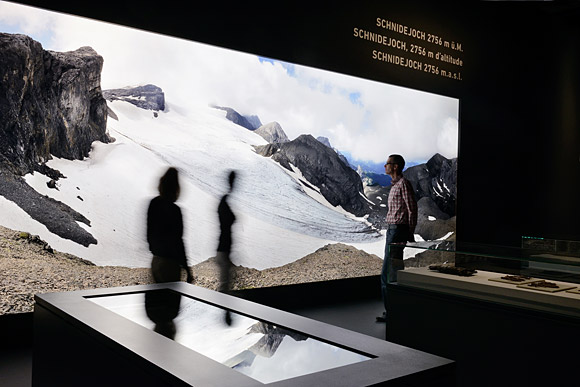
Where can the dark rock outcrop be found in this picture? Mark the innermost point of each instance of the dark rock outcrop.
(432, 223)
(436, 179)
(428, 208)
(433, 198)
(254, 121)
(321, 167)
(59, 218)
(148, 97)
(326, 142)
(378, 211)
(272, 132)
(238, 119)
(50, 103)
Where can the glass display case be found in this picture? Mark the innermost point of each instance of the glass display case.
(541, 274)
(507, 315)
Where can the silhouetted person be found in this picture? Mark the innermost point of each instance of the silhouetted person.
(227, 219)
(165, 237)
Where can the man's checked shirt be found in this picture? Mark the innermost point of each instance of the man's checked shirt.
(402, 204)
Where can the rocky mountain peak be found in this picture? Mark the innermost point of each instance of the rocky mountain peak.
(436, 179)
(435, 163)
(322, 167)
(50, 103)
(254, 121)
(238, 119)
(272, 132)
(148, 97)
(324, 140)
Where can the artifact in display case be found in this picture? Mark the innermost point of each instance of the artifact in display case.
(546, 286)
(452, 269)
(537, 259)
(546, 280)
(515, 279)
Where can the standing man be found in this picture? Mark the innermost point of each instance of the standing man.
(401, 223)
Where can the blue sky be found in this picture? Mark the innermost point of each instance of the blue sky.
(289, 67)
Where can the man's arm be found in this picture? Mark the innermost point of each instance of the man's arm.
(411, 205)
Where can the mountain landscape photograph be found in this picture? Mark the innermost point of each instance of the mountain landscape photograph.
(93, 114)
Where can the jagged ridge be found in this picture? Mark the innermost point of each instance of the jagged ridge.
(148, 97)
(322, 167)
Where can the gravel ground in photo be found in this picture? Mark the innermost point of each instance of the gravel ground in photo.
(30, 266)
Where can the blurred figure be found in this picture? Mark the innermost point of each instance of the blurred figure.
(165, 238)
(227, 219)
(165, 232)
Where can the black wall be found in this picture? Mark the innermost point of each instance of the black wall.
(519, 166)
(519, 149)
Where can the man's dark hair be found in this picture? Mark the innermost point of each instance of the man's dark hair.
(399, 160)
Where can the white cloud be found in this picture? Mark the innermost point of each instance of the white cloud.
(28, 20)
(448, 138)
(385, 119)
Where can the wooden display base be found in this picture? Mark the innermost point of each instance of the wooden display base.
(507, 281)
(573, 291)
(560, 287)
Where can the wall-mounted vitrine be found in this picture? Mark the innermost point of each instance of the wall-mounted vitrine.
(542, 274)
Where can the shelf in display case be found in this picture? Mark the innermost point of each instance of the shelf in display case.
(481, 286)
(547, 286)
(515, 279)
(550, 260)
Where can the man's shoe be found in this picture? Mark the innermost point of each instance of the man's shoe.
(382, 318)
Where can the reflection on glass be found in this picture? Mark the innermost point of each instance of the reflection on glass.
(263, 351)
(162, 307)
(532, 249)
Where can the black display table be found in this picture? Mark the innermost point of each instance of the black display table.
(106, 337)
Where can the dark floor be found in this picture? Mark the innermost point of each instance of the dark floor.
(16, 349)
(16, 345)
(16, 367)
(358, 316)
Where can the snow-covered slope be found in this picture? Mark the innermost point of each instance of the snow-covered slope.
(279, 220)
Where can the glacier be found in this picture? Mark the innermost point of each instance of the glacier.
(279, 219)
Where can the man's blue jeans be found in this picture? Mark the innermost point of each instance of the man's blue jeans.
(393, 261)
